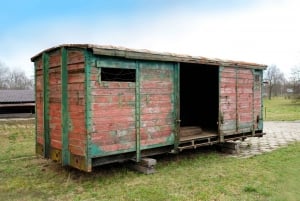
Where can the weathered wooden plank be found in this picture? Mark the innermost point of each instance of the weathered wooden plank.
(150, 116)
(114, 126)
(229, 116)
(113, 62)
(108, 112)
(228, 69)
(76, 94)
(76, 87)
(227, 85)
(40, 139)
(55, 144)
(116, 92)
(118, 147)
(154, 104)
(78, 136)
(157, 122)
(56, 135)
(149, 73)
(156, 84)
(38, 64)
(154, 141)
(122, 99)
(229, 74)
(227, 80)
(99, 119)
(106, 139)
(54, 59)
(77, 142)
(112, 85)
(151, 91)
(54, 98)
(155, 97)
(157, 131)
(76, 68)
(54, 69)
(230, 124)
(156, 110)
(227, 90)
(76, 150)
(76, 78)
(75, 56)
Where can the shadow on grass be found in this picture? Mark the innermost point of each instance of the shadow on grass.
(118, 169)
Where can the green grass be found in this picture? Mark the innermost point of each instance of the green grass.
(281, 109)
(202, 174)
(16, 140)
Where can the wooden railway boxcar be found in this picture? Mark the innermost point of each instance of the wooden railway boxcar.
(103, 104)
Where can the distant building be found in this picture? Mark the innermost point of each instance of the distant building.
(17, 103)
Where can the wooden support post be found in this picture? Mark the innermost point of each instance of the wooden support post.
(146, 165)
(230, 147)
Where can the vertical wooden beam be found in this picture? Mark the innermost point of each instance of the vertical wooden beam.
(88, 110)
(253, 99)
(220, 117)
(138, 112)
(35, 113)
(45, 58)
(64, 108)
(261, 115)
(176, 107)
(236, 100)
(261, 99)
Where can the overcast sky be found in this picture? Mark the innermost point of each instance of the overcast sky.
(260, 31)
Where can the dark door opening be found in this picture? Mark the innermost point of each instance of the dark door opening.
(199, 96)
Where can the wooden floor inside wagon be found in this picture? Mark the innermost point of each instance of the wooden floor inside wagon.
(193, 137)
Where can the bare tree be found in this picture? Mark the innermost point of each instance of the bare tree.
(295, 80)
(13, 79)
(4, 71)
(18, 80)
(275, 79)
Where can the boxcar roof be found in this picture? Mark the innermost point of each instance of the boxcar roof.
(153, 55)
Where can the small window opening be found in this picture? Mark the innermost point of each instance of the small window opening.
(118, 75)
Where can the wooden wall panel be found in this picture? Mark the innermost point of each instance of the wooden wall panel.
(157, 115)
(237, 102)
(76, 102)
(55, 129)
(245, 100)
(113, 114)
(228, 99)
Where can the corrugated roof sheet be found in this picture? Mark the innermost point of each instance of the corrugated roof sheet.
(16, 96)
(152, 55)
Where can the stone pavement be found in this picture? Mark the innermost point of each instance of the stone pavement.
(278, 134)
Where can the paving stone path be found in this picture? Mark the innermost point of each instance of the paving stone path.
(278, 134)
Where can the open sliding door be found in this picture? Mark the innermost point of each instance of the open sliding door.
(236, 101)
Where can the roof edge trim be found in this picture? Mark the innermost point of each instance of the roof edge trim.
(155, 56)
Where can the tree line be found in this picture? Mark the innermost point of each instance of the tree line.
(14, 79)
(276, 84)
